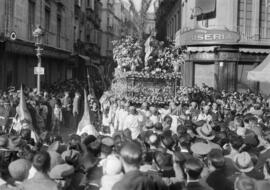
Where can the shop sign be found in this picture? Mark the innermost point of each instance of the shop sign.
(203, 56)
(228, 56)
(204, 36)
(39, 70)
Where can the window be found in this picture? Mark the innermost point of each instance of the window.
(47, 23)
(93, 4)
(205, 9)
(264, 19)
(244, 17)
(75, 33)
(179, 19)
(175, 24)
(58, 33)
(31, 19)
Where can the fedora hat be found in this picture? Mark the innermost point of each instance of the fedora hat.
(205, 132)
(243, 162)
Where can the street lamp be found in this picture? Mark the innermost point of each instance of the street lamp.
(38, 33)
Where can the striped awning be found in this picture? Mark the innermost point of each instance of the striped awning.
(261, 72)
(202, 49)
(254, 50)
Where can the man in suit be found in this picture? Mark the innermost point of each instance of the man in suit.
(217, 179)
(41, 179)
(134, 179)
(193, 169)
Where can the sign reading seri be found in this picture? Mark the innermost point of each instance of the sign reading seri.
(204, 36)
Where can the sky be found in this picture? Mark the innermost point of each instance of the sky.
(138, 3)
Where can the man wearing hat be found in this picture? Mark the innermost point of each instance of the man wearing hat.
(244, 164)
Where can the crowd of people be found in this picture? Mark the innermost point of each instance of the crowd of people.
(204, 140)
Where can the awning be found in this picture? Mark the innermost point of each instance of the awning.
(254, 50)
(261, 72)
(201, 49)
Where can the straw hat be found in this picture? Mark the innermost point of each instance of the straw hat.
(243, 162)
(205, 132)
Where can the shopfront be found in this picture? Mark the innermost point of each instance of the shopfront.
(217, 59)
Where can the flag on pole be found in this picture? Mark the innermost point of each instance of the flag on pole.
(85, 125)
(24, 113)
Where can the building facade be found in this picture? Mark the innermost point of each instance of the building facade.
(18, 19)
(86, 56)
(223, 40)
(108, 35)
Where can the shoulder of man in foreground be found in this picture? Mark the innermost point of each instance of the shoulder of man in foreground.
(139, 181)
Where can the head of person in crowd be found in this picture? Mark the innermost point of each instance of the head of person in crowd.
(216, 160)
(206, 109)
(77, 94)
(132, 110)
(167, 122)
(131, 156)
(145, 106)
(93, 145)
(62, 175)
(66, 93)
(194, 105)
(19, 169)
(193, 168)
(41, 162)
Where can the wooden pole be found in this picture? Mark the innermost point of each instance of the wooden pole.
(88, 79)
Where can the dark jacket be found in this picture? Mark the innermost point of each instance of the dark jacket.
(136, 180)
(218, 181)
(196, 186)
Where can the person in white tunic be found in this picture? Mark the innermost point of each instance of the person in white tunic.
(132, 122)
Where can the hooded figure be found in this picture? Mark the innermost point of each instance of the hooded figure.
(85, 125)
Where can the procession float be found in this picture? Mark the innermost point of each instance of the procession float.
(146, 72)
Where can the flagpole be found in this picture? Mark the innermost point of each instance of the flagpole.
(88, 79)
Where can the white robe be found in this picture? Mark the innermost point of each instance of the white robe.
(121, 116)
(132, 122)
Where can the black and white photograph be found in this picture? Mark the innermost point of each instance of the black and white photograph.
(134, 94)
